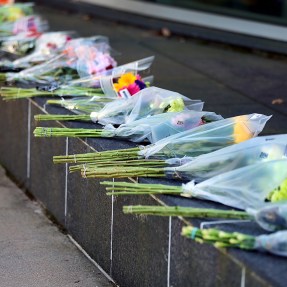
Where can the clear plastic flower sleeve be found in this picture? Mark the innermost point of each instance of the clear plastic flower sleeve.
(154, 128)
(270, 216)
(255, 150)
(68, 58)
(46, 47)
(19, 45)
(83, 105)
(275, 243)
(207, 138)
(243, 188)
(30, 25)
(105, 81)
(147, 102)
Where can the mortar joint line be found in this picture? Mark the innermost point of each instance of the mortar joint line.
(169, 252)
(243, 276)
(29, 140)
(66, 179)
(112, 233)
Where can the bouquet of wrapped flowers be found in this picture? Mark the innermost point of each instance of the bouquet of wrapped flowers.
(200, 140)
(46, 45)
(29, 26)
(269, 216)
(153, 128)
(255, 150)
(100, 87)
(92, 100)
(242, 188)
(274, 243)
(13, 47)
(64, 66)
(11, 13)
(6, 2)
(147, 102)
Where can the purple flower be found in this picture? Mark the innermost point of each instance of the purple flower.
(140, 84)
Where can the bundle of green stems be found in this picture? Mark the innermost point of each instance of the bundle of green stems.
(127, 188)
(98, 157)
(190, 212)
(123, 169)
(220, 238)
(13, 93)
(123, 164)
(60, 132)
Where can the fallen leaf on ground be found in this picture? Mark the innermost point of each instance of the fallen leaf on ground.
(277, 101)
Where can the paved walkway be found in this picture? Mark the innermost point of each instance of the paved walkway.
(33, 252)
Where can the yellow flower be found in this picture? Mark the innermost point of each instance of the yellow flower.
(279, 193)
(14, 13)
(176, 105)
(124, 81)
(241, 131)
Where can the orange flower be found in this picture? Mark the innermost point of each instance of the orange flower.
(241, 132)
(124, 81)
(5, 2)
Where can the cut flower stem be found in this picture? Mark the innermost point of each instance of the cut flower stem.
(13, 93)
(185, 212)
(43, 117)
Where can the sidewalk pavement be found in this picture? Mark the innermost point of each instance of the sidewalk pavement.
(33, 251)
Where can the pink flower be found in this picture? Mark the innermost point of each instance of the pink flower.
(133, 88)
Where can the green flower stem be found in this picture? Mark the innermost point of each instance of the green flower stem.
(122, 171)
(126, 188)
(12, 93)
(43, 117)
(185, 212)
(219, 238)
(106, 156)
(111, 165)
(3, 77)
(66, 132)
(55, 102)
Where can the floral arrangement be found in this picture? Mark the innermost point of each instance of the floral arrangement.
(200, 140)
(100, 85)
(152, 128)
(63, 67)
(129, 84)
(273, 243)
(6, 2)
(47, 45)
(202, 167)
(242, 188)
(11, 13)
(29, 26)
(148, 102)
(270, 216)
